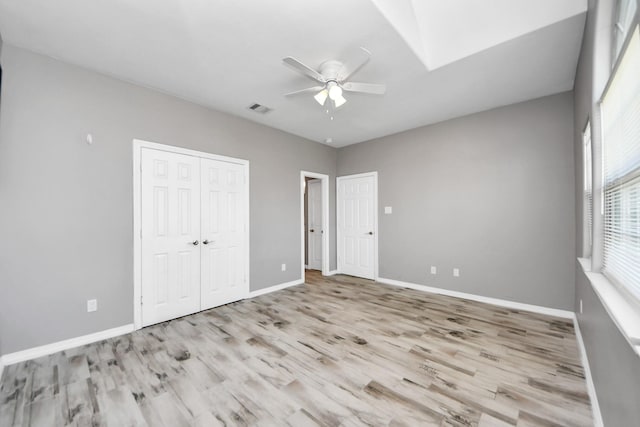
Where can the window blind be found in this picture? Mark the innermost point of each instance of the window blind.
(588, 182)
(621, 170)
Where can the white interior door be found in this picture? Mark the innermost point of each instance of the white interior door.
(357, 225)
(170, 233)
(224, 231)
(314, 224)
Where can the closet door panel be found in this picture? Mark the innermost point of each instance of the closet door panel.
(170, 260)
(223, 186)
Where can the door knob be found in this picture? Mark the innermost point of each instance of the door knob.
(206, 242)
(195, 243)
(370, 233)
(312, 230)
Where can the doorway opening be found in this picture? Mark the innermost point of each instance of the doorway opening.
(314, 220)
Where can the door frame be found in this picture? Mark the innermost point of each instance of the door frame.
(324, 183)
(138, 145)
(339, 202)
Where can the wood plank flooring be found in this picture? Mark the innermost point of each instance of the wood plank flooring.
(336, 351)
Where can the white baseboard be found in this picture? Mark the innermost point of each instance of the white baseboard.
(44, 350)
(591, 388)
(495, 301)
(274, 288)
(333, 273)
(1, 369)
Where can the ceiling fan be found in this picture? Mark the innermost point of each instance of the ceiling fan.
(332, 76)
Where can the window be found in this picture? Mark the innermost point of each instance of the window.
(621, 170)
(626, 11)
(588, 185)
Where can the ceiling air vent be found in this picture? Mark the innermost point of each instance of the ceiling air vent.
(259, 108)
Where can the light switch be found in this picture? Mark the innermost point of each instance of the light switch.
(388, 210)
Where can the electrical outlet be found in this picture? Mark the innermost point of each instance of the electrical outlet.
(456, 272)
(284, 267)
(92, 305)
(580, 306)
(388, 210)
(434, 270)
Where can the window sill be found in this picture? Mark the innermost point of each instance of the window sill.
(625, 314)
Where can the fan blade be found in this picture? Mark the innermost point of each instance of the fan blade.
(304, 69)
(307, 90)
(371, 88)
(352, 65)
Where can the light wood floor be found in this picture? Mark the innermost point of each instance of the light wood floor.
(337, 351)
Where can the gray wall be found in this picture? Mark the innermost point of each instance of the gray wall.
(66, 217)
(491, 193)
(614, 365)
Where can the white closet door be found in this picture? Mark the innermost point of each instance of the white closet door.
(224, 231)
(170, 190)
(357, 225)
(314, 224)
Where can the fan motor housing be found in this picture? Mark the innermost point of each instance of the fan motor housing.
(330, 69)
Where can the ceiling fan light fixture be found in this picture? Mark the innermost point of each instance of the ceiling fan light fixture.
(333, 80)
(339, 101)
(321, 97)
(335, 91)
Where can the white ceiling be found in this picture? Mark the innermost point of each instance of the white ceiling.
(439, 59)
